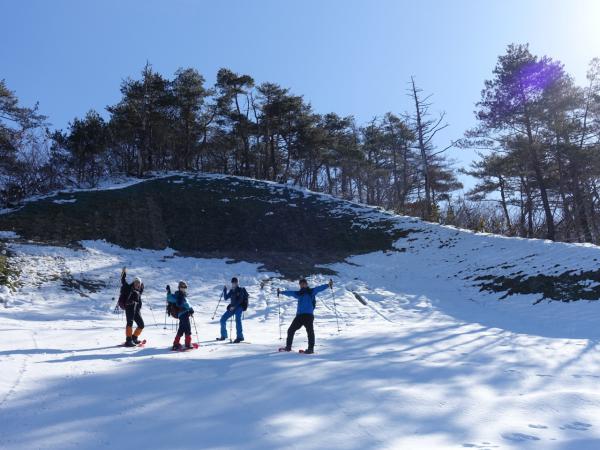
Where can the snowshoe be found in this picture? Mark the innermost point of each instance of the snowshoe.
(308, 351)
(285, 349)
(238, 340)
(129, 343)
(177, 347)
(220, 339)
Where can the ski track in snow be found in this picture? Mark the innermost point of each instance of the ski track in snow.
(429, 362)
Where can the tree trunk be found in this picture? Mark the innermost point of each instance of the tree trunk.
(423, 150)
(503, 203)
(578, 199)
(571, 224)
(540, 179)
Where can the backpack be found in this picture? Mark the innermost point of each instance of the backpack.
(244, 299)
(124, 296)
(173, 310)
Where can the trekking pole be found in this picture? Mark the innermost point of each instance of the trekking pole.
(116, 286)
(334, 305)
(218, 303)
(153, 316)
(231, 329)
(196, 329)
(167, 307)
(116, 308)
(279, 312)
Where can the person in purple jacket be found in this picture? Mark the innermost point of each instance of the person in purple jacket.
(307, 302)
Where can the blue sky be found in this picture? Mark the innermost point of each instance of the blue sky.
(348, 56)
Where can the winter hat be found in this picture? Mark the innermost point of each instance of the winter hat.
(138, 279)
(182, 284)
(234, 280)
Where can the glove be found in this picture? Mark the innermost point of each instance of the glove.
(191, 311)
(168, 288)
(231, 308)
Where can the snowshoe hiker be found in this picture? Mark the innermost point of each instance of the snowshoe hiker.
(130, 299)
(238, 297)
(307, 302)
(179, 305)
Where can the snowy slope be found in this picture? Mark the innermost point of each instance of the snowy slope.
(429, 362)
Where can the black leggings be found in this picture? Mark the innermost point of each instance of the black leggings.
(302, 320)
(132, 313)
(184, 325)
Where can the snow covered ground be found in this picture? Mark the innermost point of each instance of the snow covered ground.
(428, 363)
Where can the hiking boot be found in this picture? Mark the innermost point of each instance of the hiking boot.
(238, 340)
(129, 342)
(176, 346)
(309, 351)
(188, 342)
(220, 339)
(135, 340)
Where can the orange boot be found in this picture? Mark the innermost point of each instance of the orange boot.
(129, 337)
(136, 335)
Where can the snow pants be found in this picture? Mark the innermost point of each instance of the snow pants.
(132, 314)
(302, 320)
(185, 327)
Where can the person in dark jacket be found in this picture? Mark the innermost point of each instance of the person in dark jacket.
(307, 302)
(179, 299)
(238, 297)
(132, 293)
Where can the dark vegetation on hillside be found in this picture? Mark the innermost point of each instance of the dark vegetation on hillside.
(568, 286)
(284, 229)
(281, 228)
(8, 273)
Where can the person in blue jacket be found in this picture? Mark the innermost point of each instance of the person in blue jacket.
(238, 297)
(184, 311)
(307, 302)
